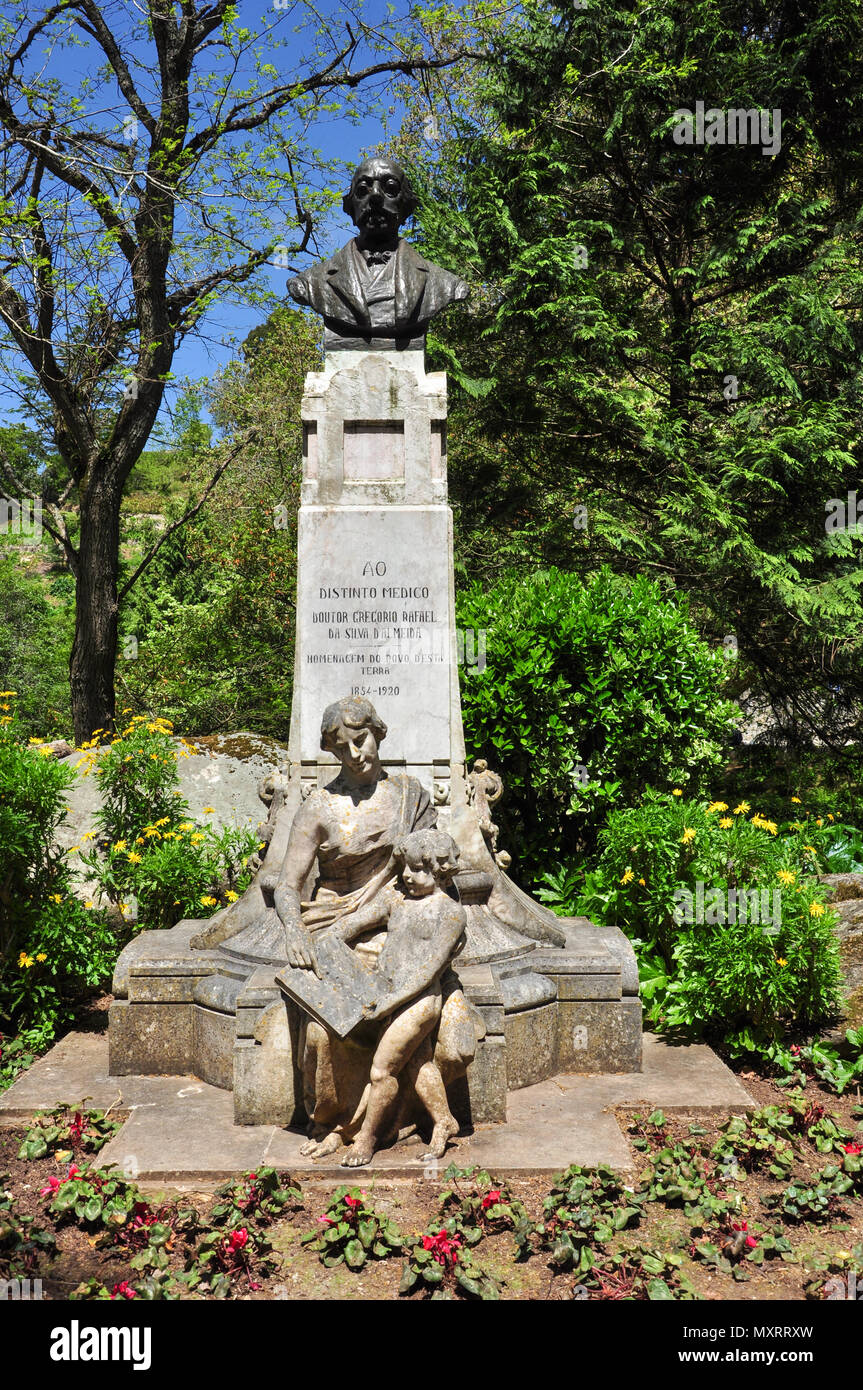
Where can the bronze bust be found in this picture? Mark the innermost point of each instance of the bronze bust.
(377, 293)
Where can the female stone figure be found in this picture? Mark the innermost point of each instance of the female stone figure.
(348, 831)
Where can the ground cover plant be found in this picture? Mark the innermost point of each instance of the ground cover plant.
(713, 1207)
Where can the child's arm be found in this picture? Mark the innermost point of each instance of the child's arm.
(353, 924)
(419, 972)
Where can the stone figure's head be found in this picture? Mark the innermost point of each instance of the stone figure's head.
(380, 199)
(426, 859)
(352, 730)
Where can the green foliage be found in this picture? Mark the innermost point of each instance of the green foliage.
(137, 778)
(35, 641)
(352, 1232)
(835, 1070)
(476, 1204)
(173, 867)
(442, 1268)
(52, 949)
(726, 911)
(821, 1197)
(62, 1133)
(583, 1209)
(212, 615)
(669, 336)
(22, 1241)
(591, 691)
(261, 1196)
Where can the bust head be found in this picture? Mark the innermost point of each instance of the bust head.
(380, 199)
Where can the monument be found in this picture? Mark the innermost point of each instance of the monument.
(382, 970)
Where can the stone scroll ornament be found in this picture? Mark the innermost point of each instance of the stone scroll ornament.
(377, 293)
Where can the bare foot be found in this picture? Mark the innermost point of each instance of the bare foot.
(359, 1154)
(441, 1135)
(321, 1148)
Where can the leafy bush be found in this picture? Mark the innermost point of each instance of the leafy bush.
(52, 949)
(590, 692)
(173, 867)
(35, 642)
(727, 913)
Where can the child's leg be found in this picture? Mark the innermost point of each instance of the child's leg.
(432, 1092)
(400, 1040)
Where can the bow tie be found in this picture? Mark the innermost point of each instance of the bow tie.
(378, 257)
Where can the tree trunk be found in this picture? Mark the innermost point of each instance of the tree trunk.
(94, 651)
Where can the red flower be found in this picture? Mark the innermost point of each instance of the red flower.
(326, 1221)
(852, 1148)
(123, 1290)
(751, 1242)
(238, 1239)
(443, 1246)
(740, 1225)
(76, 1128)
(74, 1172)
(491, 1198)
(352, 1201)
(52, 1187)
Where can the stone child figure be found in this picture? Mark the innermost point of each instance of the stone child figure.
(425, 928)
(377, 293)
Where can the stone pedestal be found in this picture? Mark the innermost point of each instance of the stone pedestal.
(376, 618)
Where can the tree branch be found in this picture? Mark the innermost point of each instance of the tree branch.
(193, 511)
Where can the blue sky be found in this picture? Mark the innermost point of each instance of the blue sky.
(337, 137)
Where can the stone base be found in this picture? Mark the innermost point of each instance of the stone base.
(186, 1011)
(180, 1131)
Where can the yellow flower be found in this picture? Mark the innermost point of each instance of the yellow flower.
(843, 1254)
(819, 822)
(687, 837)
(46, 753)
(25, 961)
(811, 849)
(209, 810)
(150, 831)
(153, 756)
(717, 806)
(208, 901)
(73, 849)
(785, 876)
(628, 876)
(780, 961)
(186, 825)
(829, 817)
(89, 902)
(4, 693)
(121, 844)
(133, 858)
(816, 909)
(232, 896)
(796, 800)
(55, 897)
(677, 792)
(89, 835)
(725, 822)
(642, 882)
(196, 839)
(166, 820)
(41, 956)
(739, 810)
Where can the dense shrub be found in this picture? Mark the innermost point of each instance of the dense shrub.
(52, 949)
(36, 625)
(590, 692)
(727, 914)
(146, 848)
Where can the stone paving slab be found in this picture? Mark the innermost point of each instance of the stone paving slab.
(181, 1130)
